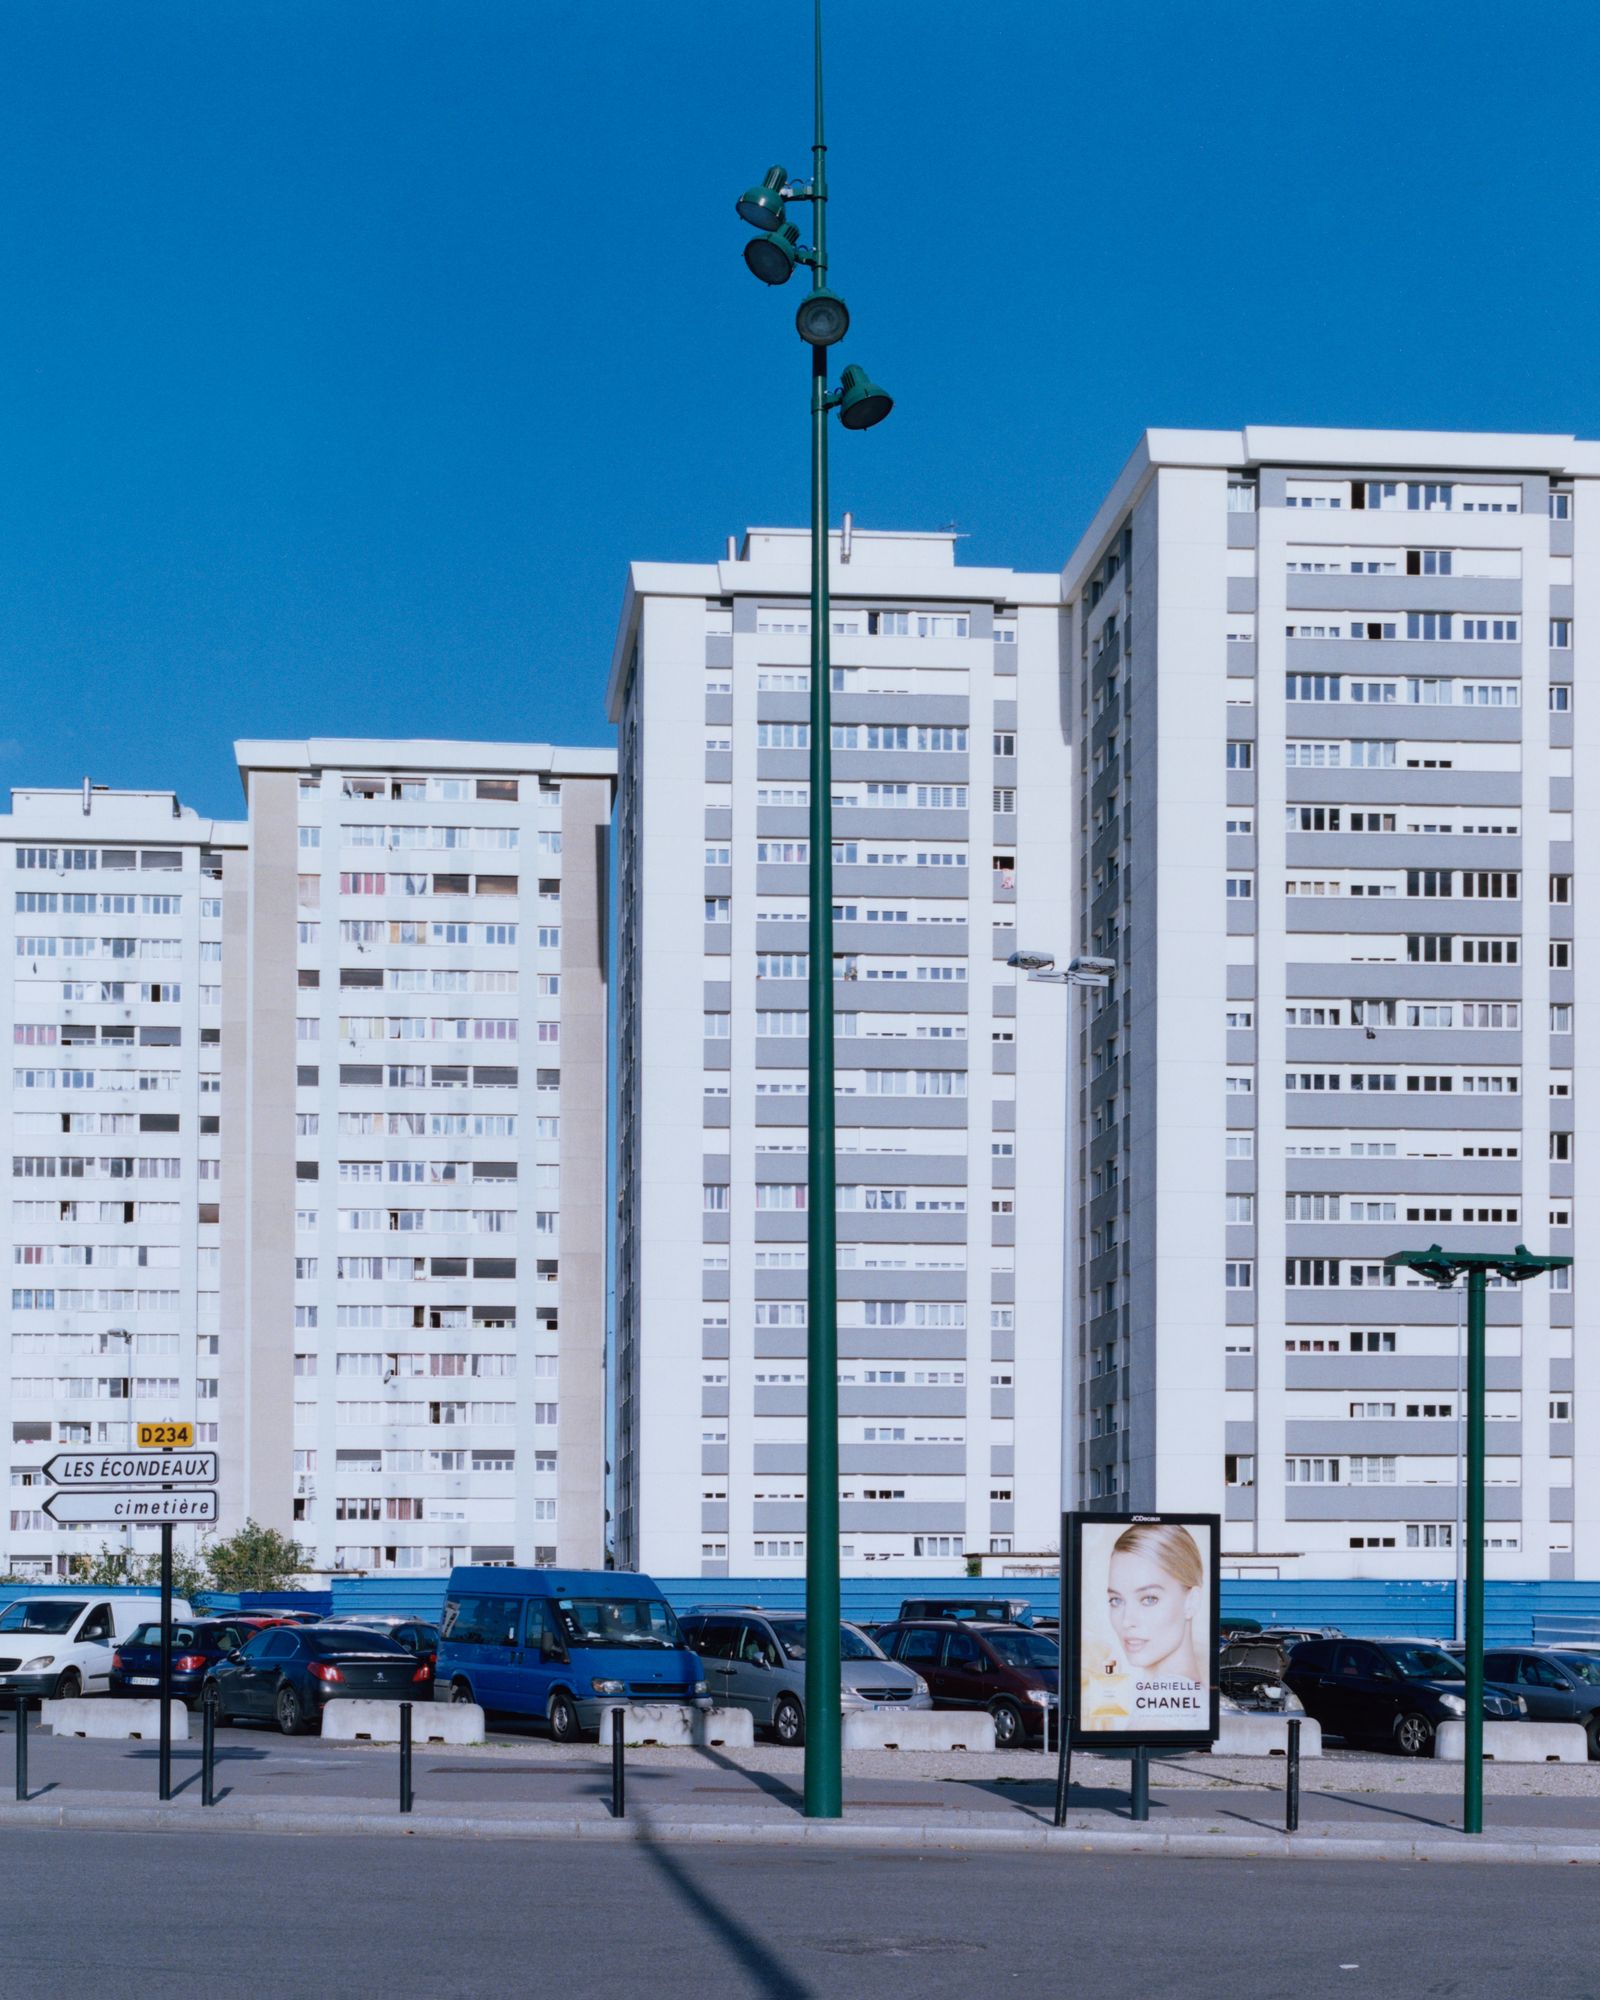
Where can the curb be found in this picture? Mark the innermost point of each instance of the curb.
(1546, 1850)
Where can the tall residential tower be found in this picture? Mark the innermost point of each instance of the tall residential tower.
(1329, 814)
(951, 844)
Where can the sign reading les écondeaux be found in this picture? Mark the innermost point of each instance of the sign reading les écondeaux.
(1140, 1606)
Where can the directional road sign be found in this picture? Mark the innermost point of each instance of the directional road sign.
(132, 1468)
(82, 1506)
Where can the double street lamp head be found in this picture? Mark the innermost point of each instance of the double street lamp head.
(861, 402)
(762, 207)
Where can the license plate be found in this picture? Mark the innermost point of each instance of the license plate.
(144, 1680)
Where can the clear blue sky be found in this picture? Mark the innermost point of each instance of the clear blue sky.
(351, 348)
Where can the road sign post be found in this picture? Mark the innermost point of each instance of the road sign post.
(166, 1660)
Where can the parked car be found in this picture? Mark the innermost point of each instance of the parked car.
(290, 1673)
(1011, 1671)
(1229, 1627)
(1394, 1691)
(562, 1644)
(1557, 1685)
(1292, 1635)
(415, 1634)
(982, 1610)
(61, 1646)
(756, 1659)
(1251, 1672)
(196, 1647)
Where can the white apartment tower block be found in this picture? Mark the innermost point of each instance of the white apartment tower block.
(113, 1004)
(951, 843)
(416, 1088)
(1335, 812)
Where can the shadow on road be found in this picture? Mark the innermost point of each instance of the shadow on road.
(768, 1973)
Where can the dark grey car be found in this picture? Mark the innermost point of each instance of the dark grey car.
(1557, 1686)
(756, 1660)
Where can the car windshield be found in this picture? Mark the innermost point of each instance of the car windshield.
(352, 1641)
(853, 1645)
(182, 1635)
(1024, 1649)
(35, 1615)
(1424, 1663)
(1582, 1667)
(617, 1621)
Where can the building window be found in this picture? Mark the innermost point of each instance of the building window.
(1238, 1276)
(1241, 756)
(1561, 633)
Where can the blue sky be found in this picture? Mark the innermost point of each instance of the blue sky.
(348, 352)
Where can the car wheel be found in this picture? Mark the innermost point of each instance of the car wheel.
(68, 1686)
(460, 1691)
(1007, 1725)
(211, 1702)
(789, 1723)
(1413, 1735)
(564, 1724)
(291, 1717)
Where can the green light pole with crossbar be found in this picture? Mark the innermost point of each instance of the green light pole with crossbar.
(821, 320)
(1443, 1267)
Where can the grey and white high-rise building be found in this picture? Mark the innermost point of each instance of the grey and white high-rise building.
(113, 1104)
(950, 770)
(415, 1022)
(1329, 692)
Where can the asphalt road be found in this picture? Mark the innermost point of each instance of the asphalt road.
(85, 1911)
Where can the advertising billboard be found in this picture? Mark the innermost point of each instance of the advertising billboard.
(1140, 1603)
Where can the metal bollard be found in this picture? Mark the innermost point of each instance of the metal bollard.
(1291, 1797)
(208, 1754)
(22, 1749)
(1141, 1783)
(405, 1756)
(1063, 1768)
(619, 1802)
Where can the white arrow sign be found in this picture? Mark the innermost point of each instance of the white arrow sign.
(132, 1468)
(83, 1507)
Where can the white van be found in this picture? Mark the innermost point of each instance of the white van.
(59, 1644)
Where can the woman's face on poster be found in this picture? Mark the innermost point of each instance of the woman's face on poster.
(1149, 1608)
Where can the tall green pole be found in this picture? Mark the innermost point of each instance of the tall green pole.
(1472, 1785)
(824, 1781)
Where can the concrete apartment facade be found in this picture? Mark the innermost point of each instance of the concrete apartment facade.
(112, 1236)
(950, 769)
(1330, 691)
(415, 1016)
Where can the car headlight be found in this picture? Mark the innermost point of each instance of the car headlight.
(609, 1687)
(44, 1660)
(919, 1684)
(702, 1687)
(1040, 1696)
(1522, 1704)
(1452, 1704)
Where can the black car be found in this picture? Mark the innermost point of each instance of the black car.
(290, 1673)
(1251, 1672)
(196, 1647)
(1558, 1686)
(415, 1634)
(1392, 1691)
(973, 1610)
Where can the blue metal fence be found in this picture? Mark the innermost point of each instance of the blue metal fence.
(1515, 1612)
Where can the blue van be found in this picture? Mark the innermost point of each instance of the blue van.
(564, 1644)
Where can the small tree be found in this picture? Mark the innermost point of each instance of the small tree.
(110, 1565)
(256, 1558)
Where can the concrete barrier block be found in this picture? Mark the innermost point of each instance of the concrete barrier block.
(136, 1720)
(379, 1722)
(1256, 1734)
(723, 1728)
(653, 1722)
(918, 1729)
(1516, 1743)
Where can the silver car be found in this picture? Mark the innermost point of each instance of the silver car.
(756, 1659)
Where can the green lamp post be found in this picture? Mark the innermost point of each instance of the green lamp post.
(1443, 1267)
(821, 321)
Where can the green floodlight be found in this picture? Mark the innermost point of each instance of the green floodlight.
(822, 318)
(773, 257)
(861, 402)
(762, 207)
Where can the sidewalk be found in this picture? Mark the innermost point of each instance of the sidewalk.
(1367, 1809)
